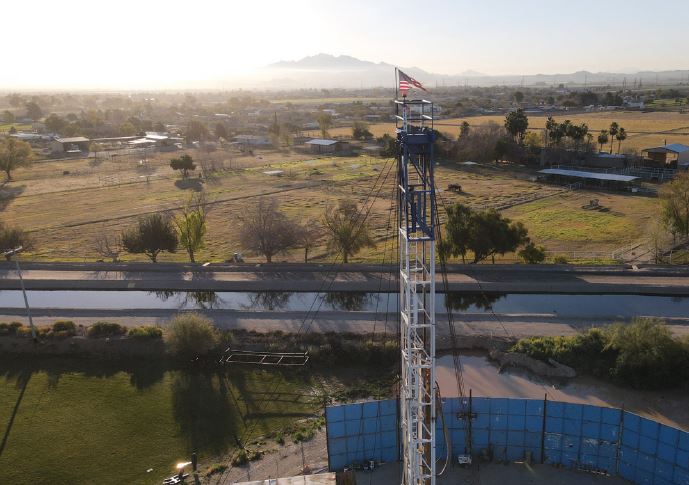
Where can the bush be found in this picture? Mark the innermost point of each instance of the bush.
(642, 354)
(240, 458)
(586, 352)
(145, 332)
(24, 332)
(64, 328)
(560, 260)
(647, 354)
(192, 335)
(215, 469)
(105, 329)
(11, 328)
(532, 254)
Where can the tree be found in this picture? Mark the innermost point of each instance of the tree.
(325, 121)
(602, 139)
(196, 131)
(14, 154)
(54, 123)
(518, 96)
(191, 335)
(620, 137)
(464, 129)
(220, 131)
(152, 235)
(614, 128)
(457, 230)
(308, 235)
(532, 254)
(184, 164)
(108, 246)
(389, 146)
(348, 232)
(127, 129)
(12, 238)
(675, 200)
(360, 131)
(7, 117)
(266, 230)
(500, 150)
(33, 111)
(491, 234)
(191, 226)
(516, 124)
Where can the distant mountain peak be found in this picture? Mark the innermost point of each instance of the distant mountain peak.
(323, 61)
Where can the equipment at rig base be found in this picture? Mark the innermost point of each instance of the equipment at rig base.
(417, 220)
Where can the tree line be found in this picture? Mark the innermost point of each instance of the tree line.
(264, 229)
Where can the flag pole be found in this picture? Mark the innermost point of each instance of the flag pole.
(397, 84)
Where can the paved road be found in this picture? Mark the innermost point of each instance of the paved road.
(317, 277)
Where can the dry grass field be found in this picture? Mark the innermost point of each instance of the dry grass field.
(66, 205)
(672, 127)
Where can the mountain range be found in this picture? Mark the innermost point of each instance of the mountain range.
(328, 71)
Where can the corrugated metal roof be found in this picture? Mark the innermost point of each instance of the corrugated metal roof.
(677, 147)
(321, 141)
(74, 139)
(672, 147)
(588, 175)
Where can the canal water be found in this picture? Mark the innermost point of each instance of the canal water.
(565, 305)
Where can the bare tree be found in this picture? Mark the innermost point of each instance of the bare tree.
(266, 230)
(308, 235)
(108, 246)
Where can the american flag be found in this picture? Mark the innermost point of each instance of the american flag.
(406, 82)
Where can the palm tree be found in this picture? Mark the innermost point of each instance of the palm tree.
(621, 136)
(614, 128)
(602, 138)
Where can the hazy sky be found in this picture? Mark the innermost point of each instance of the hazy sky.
(155, 43)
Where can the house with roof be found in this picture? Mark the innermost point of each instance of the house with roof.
(674, 155)
(322, 145)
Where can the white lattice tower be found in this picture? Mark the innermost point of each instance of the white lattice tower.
(415, 137)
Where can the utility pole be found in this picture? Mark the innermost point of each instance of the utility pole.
(8, 256)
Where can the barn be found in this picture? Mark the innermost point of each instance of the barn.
(674, 155)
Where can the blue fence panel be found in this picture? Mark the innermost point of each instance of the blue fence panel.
(619, 443)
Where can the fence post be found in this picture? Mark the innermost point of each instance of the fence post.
(619, 442)
(545, 406)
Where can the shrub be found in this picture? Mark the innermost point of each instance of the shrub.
(64, 328)
(647, 354)
(145, 332)
(11, 328)
(215, 469)
(24, 332)
(642, 354)
(192, 335)
(240, 458)
(560, 260)
(532, 254)
(105, 329)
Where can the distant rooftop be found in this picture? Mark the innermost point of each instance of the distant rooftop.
(588, 175)
(672, 147)
(322, 142)
(74, 139)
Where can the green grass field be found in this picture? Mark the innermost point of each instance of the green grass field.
(109, 425)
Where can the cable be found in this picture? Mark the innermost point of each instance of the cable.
(247, 432)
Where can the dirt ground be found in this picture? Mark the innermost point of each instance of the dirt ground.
(282, 461)
(672, 127)
(495, 474)
(66, 206)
